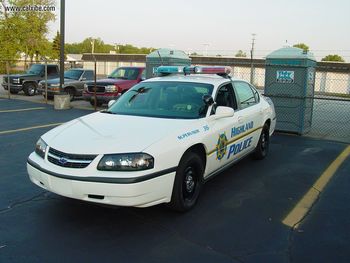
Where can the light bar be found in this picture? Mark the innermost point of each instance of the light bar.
(166, 70)
(169, 69)
(213, 70)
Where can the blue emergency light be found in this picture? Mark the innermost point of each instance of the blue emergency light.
(166, 70)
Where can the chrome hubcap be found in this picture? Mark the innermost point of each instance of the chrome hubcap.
(189, 182)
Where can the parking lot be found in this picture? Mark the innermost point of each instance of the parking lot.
(240, 216)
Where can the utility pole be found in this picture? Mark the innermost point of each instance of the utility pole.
(62, 43)
(251, 60)
(93, 46)
(206, 49)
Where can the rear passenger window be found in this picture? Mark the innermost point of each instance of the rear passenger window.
(246, 95)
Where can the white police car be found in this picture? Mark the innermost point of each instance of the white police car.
(159, 142)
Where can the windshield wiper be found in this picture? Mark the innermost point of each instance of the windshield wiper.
(138, 92)
(107, 111)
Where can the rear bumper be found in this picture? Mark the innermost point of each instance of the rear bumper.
(142, 192)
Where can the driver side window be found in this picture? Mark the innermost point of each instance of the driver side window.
(225, 97)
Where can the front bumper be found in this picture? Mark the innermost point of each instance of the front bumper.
(141, 191)
(101, 98)
(13, 87)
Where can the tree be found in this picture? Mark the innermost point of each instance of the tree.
(56, 46)
(9, 31)
(101, 47)
(24, 31)
(302, 46)
(334, 57)
(241, 54)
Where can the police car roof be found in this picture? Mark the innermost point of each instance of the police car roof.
(202, 78)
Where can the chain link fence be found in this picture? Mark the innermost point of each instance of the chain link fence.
(326, 106)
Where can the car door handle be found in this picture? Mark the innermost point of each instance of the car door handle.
(240, 119)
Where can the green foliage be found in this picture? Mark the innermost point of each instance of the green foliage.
(334, 57)
(56, 46)
(241, 54)
(96, 45)
(24, 31)
(302, 46)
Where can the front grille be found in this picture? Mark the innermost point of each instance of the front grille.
(69, 160)
(99, 89)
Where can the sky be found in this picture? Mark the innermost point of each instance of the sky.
(212, 27)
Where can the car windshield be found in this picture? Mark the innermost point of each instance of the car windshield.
(173, 99)
(73, 74)
(35, 69)
(125, 73)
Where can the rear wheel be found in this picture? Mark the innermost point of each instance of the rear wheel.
(13, 91)
(188, 182)
(262, 148)
(29, 89)
(71, 93)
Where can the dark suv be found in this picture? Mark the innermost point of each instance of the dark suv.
(74, 80)
(118, 82)
(28, 81)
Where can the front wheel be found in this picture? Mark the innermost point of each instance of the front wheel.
(262, 148)
(188, 182)
(98, 103)
(29, 89)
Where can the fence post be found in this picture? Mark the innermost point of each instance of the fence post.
(323, 82)
(8, 79)
(45, 80)
(95, 88)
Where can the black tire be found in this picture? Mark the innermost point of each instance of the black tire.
(188, 182)
(29, 89)
(71, 93)
(13, 91)
(98, 103)
(262, 148)
(49, 97)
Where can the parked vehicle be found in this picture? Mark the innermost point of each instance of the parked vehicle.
(158, 143)
(117, 83)
(28, 81)
(74, 80)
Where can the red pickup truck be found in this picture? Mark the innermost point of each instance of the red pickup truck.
(118, 82)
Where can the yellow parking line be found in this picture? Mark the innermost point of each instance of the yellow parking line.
(294, 218)
(30, 128)
(19, 110)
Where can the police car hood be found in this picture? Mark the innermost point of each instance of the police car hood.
(102, 133)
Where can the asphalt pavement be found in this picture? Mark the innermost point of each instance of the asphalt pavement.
(238, 217)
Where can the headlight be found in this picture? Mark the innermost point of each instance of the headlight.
(126, 162)
(40, 148)
(85, 87)
(110, 88)
(16, 80)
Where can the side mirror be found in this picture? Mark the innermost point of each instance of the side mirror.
(223, 112)
(82, 79)
(110, 103)
(208, 100)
